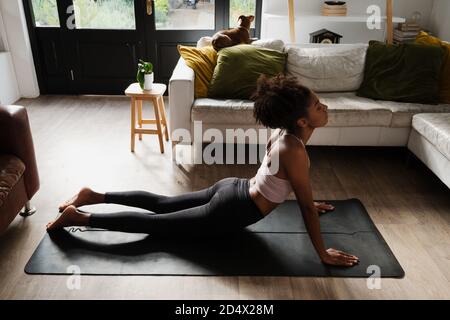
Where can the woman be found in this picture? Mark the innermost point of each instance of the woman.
(280, 103)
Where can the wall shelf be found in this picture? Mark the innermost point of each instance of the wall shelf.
(389, 19)
(349, 18)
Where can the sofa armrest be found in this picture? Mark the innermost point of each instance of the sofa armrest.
(181, 98)
(16, 139)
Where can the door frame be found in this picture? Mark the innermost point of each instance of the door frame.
(162, 40)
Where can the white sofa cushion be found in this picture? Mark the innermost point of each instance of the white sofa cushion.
(403, 112)
(430, 156)
(204, 42)
(231, 111)
(274, 44)
(345, 109)
(435, 127)
(328, 69)
(348, 110)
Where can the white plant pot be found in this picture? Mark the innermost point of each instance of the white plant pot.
(148, 81)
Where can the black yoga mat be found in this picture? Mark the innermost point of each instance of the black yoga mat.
(278, 245)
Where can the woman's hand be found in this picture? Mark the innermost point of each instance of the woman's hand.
(339, 258)
(323, 207)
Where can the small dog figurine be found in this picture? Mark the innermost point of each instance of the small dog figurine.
(232, 37)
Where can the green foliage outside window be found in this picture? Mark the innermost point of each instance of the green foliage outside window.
(241, 7)
(45, 13)
(161, 11)
(105, 14)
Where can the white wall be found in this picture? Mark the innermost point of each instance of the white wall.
(352, 32)
(440, 19)
(19, 45)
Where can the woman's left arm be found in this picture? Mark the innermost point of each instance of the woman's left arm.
(298, 173)
(295, 165)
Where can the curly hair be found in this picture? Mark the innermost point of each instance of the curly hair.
(280, 101)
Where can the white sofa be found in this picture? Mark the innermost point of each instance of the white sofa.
(430, 142)
(353, 120)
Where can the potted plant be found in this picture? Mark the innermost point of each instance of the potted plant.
(145, 75)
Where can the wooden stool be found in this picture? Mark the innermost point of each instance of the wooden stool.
(156, 97)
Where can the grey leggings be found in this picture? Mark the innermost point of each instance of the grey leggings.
(223, 207)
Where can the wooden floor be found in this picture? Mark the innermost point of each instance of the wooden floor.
(84, 141)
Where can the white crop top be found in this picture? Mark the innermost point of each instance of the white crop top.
(270, 186)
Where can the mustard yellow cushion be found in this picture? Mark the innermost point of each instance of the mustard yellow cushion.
(444, 91)
(202, 61)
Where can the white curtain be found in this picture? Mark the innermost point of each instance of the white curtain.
(3, 40)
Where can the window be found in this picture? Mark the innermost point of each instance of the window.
(184, 14)
(241, 8)
(105, 14)
(45, 13)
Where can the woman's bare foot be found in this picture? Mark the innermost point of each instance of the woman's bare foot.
(84, 197)
(70, 217)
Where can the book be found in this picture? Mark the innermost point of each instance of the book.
(409, 39)
(408, 27)
(405, 40)
(327, 6)
(408, 24)
(334, 10)
(406, 33)
(331, 10)
(326, 13)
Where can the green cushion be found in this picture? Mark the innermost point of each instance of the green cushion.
(405, 73)
(239, 67)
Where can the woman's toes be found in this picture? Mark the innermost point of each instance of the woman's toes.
(67, 218)
(83, 197)
(66, 204)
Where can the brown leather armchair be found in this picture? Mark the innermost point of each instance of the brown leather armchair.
(19, 178)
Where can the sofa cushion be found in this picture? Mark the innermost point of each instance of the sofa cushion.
(11, 169)
(231, 111)
(202, 61)
(403, 112)
(328, 69)
(204, 42)
(345, 109)
(348, 110)
(239, 67)
(425, 38)
(274, 44)
(406, 73)
(436, 129)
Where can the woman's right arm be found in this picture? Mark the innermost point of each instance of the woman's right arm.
(295, 163)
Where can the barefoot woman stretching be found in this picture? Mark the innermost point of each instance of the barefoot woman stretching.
(281, 103)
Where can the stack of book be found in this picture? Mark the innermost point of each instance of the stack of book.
(406, 32)
(334, 9)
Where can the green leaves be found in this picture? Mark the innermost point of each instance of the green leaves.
(143, 69)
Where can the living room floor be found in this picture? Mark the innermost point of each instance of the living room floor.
(85, 141)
